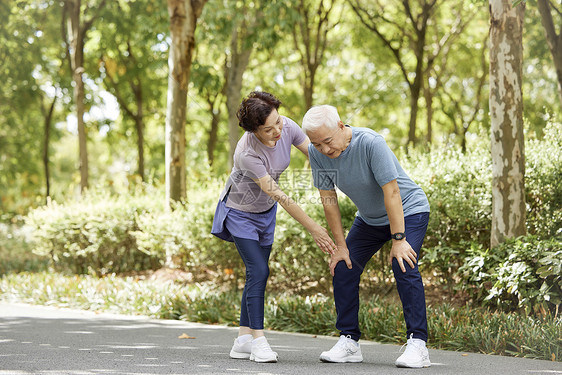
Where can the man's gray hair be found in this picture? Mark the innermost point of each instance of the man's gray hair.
(320, 115)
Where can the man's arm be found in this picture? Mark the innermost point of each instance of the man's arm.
(401, 249)
(333, 217)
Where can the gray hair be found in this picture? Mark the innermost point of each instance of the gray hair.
(320, 115)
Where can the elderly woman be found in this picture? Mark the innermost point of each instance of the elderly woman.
(247, 207)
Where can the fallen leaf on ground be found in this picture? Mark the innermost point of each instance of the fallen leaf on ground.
(185, 336)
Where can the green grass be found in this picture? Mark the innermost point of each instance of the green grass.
(453, 328)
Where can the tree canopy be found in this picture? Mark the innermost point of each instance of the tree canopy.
(415, 71)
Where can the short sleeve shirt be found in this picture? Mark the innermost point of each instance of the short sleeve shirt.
(254, 160)
(361, 170)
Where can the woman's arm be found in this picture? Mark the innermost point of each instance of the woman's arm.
(303, 147)
(333, 217)
(320, 235)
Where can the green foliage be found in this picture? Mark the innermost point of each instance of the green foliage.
(94, 235)
(16, 251)
(29, 66)
(182, 237)
(523, 273)
(120, 233)
(543, 182)
(128, 42)
(458, 186)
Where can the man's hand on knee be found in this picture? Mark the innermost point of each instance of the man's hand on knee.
(402, 251)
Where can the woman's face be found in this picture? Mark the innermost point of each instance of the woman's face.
(270, 132)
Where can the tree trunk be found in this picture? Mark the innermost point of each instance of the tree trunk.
(417, 85)
(77, 62)
(213, 132)
(310, 37)
(414, 105)
(139, 126)
(309, 78)
(138, 115)
(463, 139)
(232, 103)
(429, 114)
(239, 60)
(46, 141)
(183, 21)
(506, 109)
(553, 39)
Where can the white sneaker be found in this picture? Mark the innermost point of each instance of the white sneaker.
(242, 347)
(415, 355)
(261, 351)
(345, 350)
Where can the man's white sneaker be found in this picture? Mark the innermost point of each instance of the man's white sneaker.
(345, 350)
(242, 347)
(261, 351)
(415, 355)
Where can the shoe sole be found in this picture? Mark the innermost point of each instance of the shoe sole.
(417, 365)
(237, 355)
(343, 360)
(262, 360)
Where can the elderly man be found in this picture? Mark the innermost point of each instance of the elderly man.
(390, 207)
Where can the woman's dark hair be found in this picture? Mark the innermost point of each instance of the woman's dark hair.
(255, 109)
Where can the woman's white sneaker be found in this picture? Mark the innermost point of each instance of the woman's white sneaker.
(261, 351)
(242, 347)
(345, 350)
(415, 355)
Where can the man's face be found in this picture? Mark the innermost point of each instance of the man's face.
(330, 142)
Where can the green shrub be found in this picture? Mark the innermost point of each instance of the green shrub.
(523, 273)
(182, 237)
(543, 182)
(116, 233)
(458, 186)
(93, 235)
(16, 251)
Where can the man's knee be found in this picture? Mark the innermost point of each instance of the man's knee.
(410, 274)
(344, 275)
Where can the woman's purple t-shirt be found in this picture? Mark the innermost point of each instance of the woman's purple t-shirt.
(254, 160)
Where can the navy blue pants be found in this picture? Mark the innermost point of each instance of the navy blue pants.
(256, 258)
(363, 241)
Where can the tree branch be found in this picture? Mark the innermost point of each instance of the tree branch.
(117, 94)
(555, 8)
(360, 12)
(87, 24)
(548, 24)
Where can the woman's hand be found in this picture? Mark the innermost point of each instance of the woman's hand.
(402, 251)
(342, 253)
(323, 239)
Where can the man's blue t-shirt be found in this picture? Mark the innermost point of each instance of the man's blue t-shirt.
(360, 170)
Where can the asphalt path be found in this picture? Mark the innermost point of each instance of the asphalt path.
(43, 340)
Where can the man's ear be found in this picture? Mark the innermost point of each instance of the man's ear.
(341, 124)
